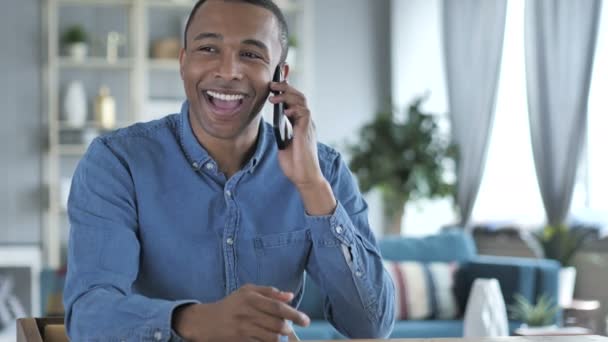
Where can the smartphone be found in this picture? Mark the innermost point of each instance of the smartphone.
(283, 130)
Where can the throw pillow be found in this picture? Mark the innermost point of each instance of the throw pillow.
(424, 290)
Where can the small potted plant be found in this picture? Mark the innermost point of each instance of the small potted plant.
(561, 243)
(74, 40)
(533, 316)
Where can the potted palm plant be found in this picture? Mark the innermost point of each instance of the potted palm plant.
(405, 159)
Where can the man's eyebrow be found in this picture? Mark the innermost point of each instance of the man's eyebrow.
(255, 42)
(206, 35)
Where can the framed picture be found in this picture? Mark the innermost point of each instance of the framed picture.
(20, 267)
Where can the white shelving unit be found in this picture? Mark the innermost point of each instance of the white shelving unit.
(141, 71)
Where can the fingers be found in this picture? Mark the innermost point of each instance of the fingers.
(271, 301)
(289, 95)
(272, 324)
(258, 333)
(270, 292)
(280, 310)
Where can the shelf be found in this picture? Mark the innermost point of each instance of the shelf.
(96, 2)
(163, 64)
(72, 149)
(95, 63)
(64, 126)
(187, 4)
(286, 6)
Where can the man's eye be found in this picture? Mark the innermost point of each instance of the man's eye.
(207, 49)
(251, 55)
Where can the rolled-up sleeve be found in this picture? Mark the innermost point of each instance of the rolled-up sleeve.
(346, 264)
(103, 257)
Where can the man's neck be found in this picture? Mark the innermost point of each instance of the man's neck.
(230, 154)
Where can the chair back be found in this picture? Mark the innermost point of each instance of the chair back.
(45, 329)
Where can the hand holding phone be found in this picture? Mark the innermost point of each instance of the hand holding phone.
(283, 130)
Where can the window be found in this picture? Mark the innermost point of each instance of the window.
(509, 191)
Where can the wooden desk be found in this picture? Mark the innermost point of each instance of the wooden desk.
(588, 338)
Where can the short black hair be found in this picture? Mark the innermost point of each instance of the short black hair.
(267, 4)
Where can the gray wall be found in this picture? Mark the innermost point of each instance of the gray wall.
(351, 65)
(351, 81)
(20, 146)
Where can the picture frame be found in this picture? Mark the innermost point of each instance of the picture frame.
(20, 266)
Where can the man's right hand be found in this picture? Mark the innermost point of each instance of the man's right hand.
(252, 313)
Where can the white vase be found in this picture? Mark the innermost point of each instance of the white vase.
(75, 105)
(78, 51)
(567, 281)
(485, 314)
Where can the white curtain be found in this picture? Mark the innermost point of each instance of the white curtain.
(560, 38)
(473, 33)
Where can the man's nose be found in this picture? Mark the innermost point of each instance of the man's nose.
(229, 68)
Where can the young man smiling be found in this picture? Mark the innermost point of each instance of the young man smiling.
(196, 226)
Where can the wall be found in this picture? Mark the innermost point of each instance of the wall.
(20, 131)
(418, 68)
(351, 64)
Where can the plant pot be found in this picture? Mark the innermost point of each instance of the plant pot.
(78, 51)
(392, 222)
(567, 281)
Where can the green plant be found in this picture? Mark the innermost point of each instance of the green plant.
(541, 314)
(560, 242)
(405, 159)
(74, 34)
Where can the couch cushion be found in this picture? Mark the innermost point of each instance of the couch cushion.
(430, 328)
(448, 246)
(424, 290)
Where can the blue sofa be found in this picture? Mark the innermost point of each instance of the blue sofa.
(529, 277)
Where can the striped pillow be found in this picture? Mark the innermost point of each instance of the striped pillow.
(424, 290)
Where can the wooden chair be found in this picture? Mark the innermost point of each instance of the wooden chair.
(45, 329)
(51, 329)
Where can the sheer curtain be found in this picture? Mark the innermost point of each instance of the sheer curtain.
(473, 33)
(560, 37)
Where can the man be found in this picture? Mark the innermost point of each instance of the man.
(196, 226)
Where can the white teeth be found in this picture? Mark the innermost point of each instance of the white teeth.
(225, 97)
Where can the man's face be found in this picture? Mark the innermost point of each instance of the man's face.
(232, 50)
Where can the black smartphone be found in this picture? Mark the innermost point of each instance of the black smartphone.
(283, 130)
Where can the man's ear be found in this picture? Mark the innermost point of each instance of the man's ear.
(182, 53)
(285, 67)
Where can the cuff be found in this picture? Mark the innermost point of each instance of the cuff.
(161, 329)
(333, 229)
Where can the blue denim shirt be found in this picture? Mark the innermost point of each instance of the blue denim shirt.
(155, 224)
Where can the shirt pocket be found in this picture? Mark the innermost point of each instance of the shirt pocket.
(282, 258)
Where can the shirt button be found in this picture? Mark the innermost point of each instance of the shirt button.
(228, 193)
(339, 229)
(209, 166)
(230, 241)
(359, 274)
(195, 165)
(158, 335)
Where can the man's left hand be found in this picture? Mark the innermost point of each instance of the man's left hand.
(300, 161)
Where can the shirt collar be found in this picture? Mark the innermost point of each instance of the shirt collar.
(197, 155)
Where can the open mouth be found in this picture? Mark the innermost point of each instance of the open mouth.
(224, 105)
